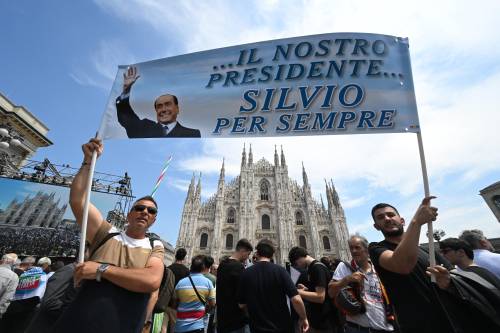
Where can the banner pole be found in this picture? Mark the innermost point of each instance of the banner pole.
(430, 231)
(83, 232)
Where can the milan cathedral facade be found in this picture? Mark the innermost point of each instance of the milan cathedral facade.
(263, 202)
(42, 210)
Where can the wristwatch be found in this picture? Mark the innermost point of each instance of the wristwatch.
(100, 270)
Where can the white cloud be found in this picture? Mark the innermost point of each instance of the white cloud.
(100, 70)
(454, 48)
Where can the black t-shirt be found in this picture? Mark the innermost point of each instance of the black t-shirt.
(263, 288)
(229, 316)
(416, 300)
(319, 315)
(180, 271)
(485, 274)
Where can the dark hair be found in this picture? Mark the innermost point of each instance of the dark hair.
(327, 262)
(208, 261)
(176, 101)
(295, 253)
(56, 265)
(457, 244)
(382, 205)
(197, 263)
(147, 198)
(265, 248)
(244, 244)
(180, 254)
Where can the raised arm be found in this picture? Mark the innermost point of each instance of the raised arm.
(404, 258)
(78, 190)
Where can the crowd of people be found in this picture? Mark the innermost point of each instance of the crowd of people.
(124, 286)
(44, 242)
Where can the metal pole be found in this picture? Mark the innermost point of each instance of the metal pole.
(430, 231)
(83, 232)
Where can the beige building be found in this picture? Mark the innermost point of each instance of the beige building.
(491, 194)
(21, 134)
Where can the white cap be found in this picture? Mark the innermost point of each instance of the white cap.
(44, 260)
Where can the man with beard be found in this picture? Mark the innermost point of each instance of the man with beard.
(401, 265)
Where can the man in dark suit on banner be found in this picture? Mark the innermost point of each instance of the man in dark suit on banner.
(166, 107)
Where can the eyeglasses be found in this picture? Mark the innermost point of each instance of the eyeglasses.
(140, 208)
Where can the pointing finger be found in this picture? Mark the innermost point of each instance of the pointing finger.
(427, 200)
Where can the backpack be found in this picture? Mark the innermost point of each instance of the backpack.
(166, 292)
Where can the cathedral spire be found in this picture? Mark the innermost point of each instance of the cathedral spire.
(304, 176)
(322, 203)
(222, 170)
(220, 187)
(283, 162)
(190, 189)
(243, 157)
(276, 158)
(250, 156)
(335, 196)
(198, 188)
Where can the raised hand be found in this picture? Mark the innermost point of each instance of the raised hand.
(90, 147)
(425, 212)
(129, 78)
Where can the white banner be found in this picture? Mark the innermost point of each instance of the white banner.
(340, 83)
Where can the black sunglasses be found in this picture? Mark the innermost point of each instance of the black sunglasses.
(140, 208)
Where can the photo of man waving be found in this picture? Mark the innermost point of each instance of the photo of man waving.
(167, 110)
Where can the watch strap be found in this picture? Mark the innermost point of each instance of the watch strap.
(100, 270)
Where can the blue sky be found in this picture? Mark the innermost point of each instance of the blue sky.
(59, 59)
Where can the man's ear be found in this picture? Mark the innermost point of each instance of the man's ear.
(402, 221)
(376, 226)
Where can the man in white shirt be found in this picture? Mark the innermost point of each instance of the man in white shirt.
(483, 250)
(361, 271)
(8, 281)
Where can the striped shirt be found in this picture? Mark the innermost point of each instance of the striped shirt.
(190, 310)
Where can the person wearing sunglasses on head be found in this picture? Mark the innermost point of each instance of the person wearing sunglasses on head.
(123, 268)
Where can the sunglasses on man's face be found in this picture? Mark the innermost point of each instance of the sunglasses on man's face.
(140, 208)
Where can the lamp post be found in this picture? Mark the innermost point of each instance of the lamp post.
(9, 141)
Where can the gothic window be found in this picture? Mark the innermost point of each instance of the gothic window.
(203, 240)
(302, 241)
(266, 222)
(231, 213)
(299, 218)
(229, 241)
(264, 190)
(326, 243)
